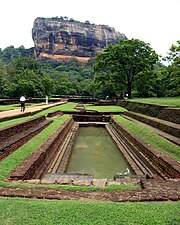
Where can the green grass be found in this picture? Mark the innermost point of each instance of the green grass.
(18, 211)
(109, 108)
(151, 137)
(7, 165)
(65, 107)
(9, 107)
(14, 121)
(169, 101)
(70, 106)
(16, 106)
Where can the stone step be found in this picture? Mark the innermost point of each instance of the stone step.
(166, 126)
(13, 143)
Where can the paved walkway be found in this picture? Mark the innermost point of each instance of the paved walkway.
(16, 112)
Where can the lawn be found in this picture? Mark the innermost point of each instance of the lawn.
(169, 101)
(9, 107)
(151, 137)
(15, 106)
(70, 106)
(109, 108)
(18, 211)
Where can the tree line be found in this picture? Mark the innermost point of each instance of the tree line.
(130, 67)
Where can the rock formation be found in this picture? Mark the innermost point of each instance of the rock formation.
(59, 39)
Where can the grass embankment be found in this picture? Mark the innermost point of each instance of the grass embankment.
(70, 106)
(169, 101)
(9, 107)
(16, 106)
(28, 211)
(109, 108)
(7, 165)
(151, 137)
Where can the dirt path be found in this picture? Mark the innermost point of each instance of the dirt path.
(16, 112)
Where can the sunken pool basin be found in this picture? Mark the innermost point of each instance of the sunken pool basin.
(95, 153)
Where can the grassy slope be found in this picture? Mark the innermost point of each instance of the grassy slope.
(151, 137)
(65, 107)
(16, 106)
(28, 211)
(7, 165)
(111, 108)
(169, 101)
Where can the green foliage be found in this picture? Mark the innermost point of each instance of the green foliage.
(3, 80)
(20, 211)
(70, 78)
(172, 73)
(122, 68)
(10, 53)
(123, 62)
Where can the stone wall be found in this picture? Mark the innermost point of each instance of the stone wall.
(166, 164)
(56, 113)
(17, 128)
(91, 118)
(159, 111)
(35, 164)
(165, 126)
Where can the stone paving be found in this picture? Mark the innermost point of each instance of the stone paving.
(151, 191)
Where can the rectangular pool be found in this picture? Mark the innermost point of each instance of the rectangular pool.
(94, 152)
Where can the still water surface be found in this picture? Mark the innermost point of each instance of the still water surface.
(95, 153)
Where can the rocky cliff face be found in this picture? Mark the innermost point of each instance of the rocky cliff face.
(58, 38)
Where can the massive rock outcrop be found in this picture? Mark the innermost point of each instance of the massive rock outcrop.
(59, 39)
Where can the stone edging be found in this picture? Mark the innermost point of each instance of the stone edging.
(168, 165)
(35, 163)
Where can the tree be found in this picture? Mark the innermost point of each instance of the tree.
(173, 71)
(49, 85)
(3, 80)
(124, 61)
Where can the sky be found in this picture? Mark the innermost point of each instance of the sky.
(156, 22)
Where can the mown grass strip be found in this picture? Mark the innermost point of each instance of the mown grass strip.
(8, 107)
(14, 121)
(15, 106)
(70, 106)
(7, 165)
(30, 211)
(109, 108)
(169, 101)
(151, 137)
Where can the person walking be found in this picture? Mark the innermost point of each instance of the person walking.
(22, 100)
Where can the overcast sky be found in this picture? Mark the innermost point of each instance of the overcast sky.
(156, 22)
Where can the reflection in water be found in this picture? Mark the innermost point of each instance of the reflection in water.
(95, 153)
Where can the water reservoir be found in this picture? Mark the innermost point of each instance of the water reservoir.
(94, 152)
